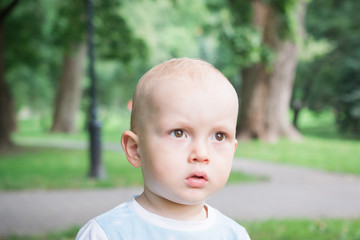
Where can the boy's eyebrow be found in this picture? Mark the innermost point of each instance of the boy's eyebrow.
(183, 123)
(224, 128)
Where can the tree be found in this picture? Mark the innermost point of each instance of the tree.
(267, 80)
(71, 34)
(23, 68)
(7, 112)
(330, 79)
(69, 91)
(114, 41)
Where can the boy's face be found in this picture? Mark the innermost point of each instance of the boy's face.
(188, 142)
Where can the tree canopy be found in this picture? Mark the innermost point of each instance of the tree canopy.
(131, 36)
(329, 74)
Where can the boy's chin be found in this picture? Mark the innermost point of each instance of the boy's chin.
(189, 201)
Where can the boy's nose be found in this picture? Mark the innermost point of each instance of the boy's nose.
(199, 153)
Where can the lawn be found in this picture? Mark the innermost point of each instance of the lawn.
(40, 167)
(54, 168)
(322, 147)
(331, 154)
(299, 229)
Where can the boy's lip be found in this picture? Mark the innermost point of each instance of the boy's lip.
(197, 179)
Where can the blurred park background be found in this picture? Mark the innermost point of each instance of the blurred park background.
(294, 63)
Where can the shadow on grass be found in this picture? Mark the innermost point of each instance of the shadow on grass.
(327, 132)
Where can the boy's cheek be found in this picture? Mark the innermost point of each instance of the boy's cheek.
(225, 147)
(172, 143)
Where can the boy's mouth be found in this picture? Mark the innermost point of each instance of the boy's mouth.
(197, 180)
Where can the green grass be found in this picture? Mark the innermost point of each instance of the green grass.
(54, 168)
(327, 154)
(33, 168)
(68, 234)
(335, 229)
(322, 147)
(239, 177)
(112, 126)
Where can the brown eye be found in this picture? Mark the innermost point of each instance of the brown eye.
(219, 136)
(178, 133)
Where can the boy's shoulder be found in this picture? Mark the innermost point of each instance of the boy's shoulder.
(98, 227)
(122, 211)
(227, 224)
(118, 217)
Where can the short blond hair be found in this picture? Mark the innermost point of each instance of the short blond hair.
(174, 69)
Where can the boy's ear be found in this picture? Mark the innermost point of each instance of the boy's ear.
(130, 144)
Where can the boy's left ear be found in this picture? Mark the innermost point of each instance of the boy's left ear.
(236, 143)
(130, 144)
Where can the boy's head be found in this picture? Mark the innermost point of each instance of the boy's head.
(176, 70)
(182, 130)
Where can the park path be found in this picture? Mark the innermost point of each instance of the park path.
(288, 192)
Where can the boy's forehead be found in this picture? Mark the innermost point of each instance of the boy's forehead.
(185, 79)
(169, 78)
(175, 90)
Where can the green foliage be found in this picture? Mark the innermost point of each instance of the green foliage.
(287, 14)
(37, 35)
(26, 33)
(69, 25)
(118, 51)
(169, 28)
(114, 38)
(331, 79)
(348, 104)
(242, 43)
(131, 36)
(21, 47)
(248, 48)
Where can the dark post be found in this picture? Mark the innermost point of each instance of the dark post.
(96, 167)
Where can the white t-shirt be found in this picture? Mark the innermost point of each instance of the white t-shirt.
(131, 221)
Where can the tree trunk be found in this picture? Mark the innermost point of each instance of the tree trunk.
(278, 102)
(69, 90)
(253, 92)
(266, 94)
(7, 112)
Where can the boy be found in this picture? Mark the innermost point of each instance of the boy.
(183, 137)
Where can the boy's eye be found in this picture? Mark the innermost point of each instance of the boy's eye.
(219, 136)
(178, 133)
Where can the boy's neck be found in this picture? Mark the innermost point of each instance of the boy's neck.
(165, 208)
